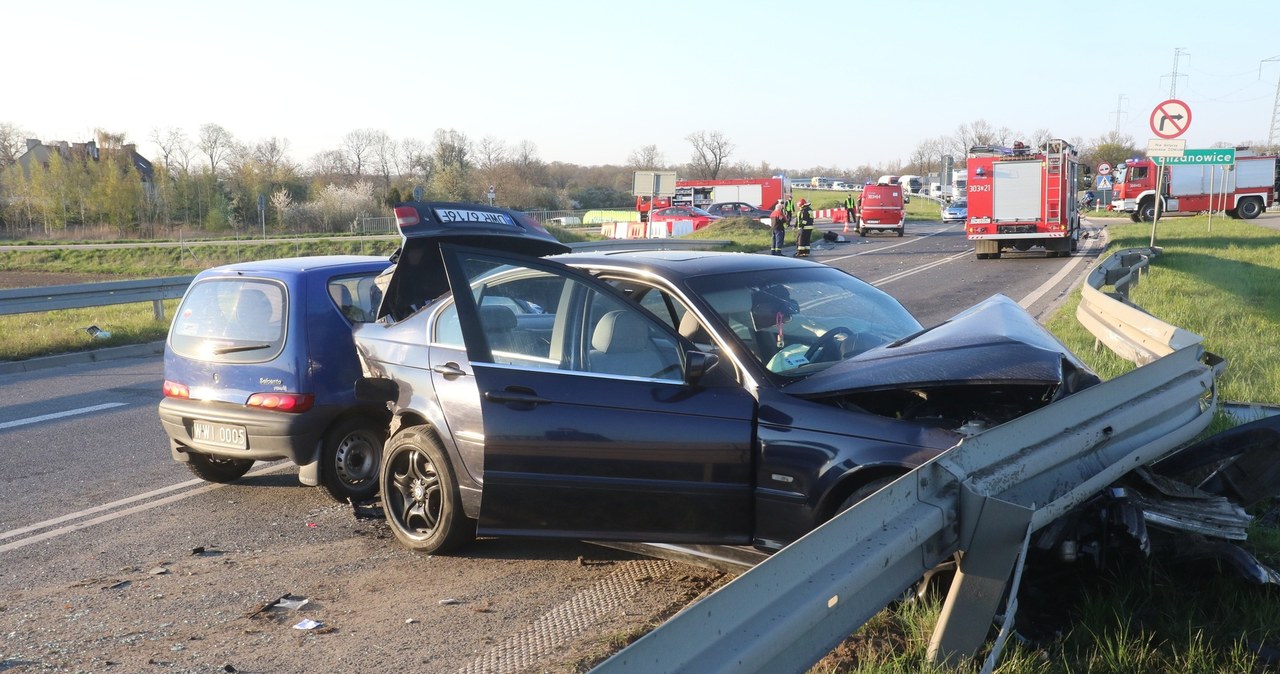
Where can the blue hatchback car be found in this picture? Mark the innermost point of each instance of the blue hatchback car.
(260, 365)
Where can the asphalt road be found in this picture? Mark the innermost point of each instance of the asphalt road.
(98, 527)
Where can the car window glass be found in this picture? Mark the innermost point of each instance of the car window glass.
(231, 320)
(778, 316)
(354, 297)
(581, 328)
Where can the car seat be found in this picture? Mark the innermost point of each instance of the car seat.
(620, 344)
(252, 316)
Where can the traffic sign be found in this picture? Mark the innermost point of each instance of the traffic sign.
(1104, 169)
(1170, 119)
(1166, 148)
(1217, 156)
(1104, 182)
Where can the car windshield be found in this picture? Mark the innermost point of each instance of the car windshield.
(698, 211)
(796, 322)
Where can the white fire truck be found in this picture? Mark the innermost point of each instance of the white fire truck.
(1022, 197)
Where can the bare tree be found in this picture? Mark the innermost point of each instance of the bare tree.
(357, 147)
(450, 150)
(646, 157)
(385, 157)
(13, 143)
(217, 144)
(175, 149)
(491, 152)
(415, 161)
(710, 150)
(329, 164)
(272, 157)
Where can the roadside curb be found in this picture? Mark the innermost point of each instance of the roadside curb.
(79, 357)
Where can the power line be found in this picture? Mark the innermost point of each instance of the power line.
(1173, 77)
(1273, 134)
(1119, 110)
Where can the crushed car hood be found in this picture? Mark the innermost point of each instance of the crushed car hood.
(994, 342)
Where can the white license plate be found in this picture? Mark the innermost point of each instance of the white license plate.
(225, 435)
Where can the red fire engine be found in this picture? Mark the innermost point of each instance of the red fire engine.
(1245, 191)
(762, 192)
(1021, 197)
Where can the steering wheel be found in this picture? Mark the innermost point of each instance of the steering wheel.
(829, 340)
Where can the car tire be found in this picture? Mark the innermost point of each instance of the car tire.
(216, 468)
(901, 230)
(1249, 208)
(420, 494)
(350, 455)
(864, 491)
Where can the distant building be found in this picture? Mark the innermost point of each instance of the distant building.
(40, 154)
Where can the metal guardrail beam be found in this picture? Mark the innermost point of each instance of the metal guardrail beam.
(983, 496)
(78, 296)
(1126, 329)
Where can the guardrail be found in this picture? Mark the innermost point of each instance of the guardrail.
(986, 496)
(79, 296)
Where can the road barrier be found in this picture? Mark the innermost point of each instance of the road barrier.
(985, 497)
(79, 296)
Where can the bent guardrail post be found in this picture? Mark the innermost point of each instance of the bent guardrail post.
(789, 611)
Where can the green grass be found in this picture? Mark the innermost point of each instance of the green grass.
(1222, 285)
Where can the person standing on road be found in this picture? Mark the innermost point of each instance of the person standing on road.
(850, 209)
(778, 218)
(789, 211)
(806, 229)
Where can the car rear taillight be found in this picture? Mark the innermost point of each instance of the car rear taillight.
(173, 389)
(406, 216)
(283, 402)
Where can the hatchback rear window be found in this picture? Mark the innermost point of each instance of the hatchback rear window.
(231, 321)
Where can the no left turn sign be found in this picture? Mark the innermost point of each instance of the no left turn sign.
(1170, 119)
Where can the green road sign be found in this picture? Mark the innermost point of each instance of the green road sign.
(1226, 155)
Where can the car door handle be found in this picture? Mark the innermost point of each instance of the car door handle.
(521, 397)
(449, 370)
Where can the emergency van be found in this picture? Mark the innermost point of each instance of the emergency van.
(880, 209)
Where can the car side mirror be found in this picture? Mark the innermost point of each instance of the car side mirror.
(377, 390)
(697, 365)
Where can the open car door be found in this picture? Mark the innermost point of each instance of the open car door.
(597, 423)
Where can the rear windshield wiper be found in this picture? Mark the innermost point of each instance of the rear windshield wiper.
(243, 347)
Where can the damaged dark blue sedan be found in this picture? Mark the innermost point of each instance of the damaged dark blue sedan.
(681, 397)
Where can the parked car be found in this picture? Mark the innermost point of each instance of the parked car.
(664, 396)
(741, 209)
(956, 211)
(260, 365)
(699, 217)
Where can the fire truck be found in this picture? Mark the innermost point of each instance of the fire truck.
(1021, 197)
(1244, 191)
(762, 192)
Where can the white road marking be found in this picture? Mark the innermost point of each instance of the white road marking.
(54, 533)
(889, 247)
(58, 415)
(1067, 268)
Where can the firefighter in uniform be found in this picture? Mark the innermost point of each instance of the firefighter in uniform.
(778, 218)
(805, 224)
(789, 210)
(851, 209)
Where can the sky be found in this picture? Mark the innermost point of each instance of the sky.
(797, 84)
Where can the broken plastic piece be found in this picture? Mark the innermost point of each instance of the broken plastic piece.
(308, 624)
